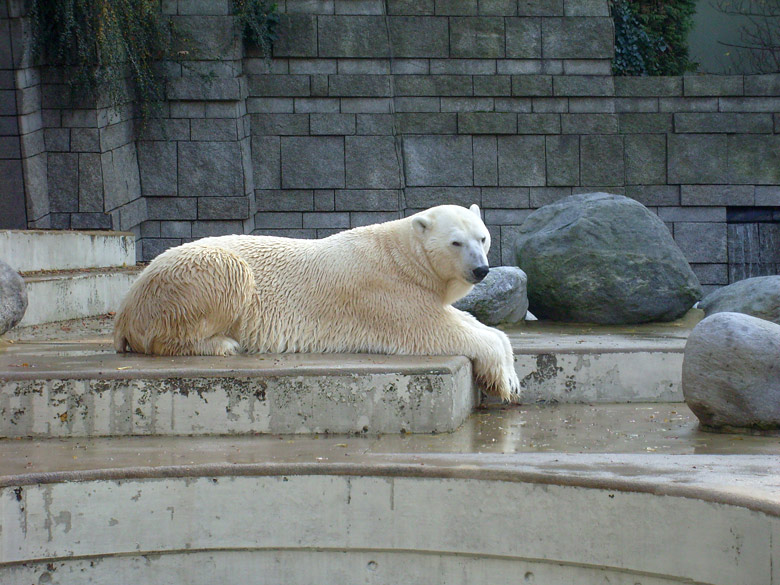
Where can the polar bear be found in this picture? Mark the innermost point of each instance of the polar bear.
(384, 288)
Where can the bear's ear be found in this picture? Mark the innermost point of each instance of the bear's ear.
(421, 223)
(475, 210)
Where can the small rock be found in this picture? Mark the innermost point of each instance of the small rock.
(759, 297)
(731, 372)
(602, 258)
(500, 298)
(13, 298)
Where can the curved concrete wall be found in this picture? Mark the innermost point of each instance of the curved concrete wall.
(394, 525)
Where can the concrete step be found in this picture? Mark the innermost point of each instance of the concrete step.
(75, 294)
(85, 389)
(34, 250)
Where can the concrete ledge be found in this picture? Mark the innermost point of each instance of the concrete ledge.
(552, 518)
(33, 250)
(72, 395)
(60, 296)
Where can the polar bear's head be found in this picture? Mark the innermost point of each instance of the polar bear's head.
(456, 243)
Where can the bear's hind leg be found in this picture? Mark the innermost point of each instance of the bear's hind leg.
(217, 345)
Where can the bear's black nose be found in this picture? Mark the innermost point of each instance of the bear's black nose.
(481, 272)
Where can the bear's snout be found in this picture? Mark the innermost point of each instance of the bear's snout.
(480, 272)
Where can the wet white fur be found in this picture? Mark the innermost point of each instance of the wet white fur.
(385, 288)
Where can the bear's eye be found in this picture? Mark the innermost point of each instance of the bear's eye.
(483, 240)
(456, 244)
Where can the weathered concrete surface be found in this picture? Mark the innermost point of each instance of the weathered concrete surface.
(32, 250)
(399, 518)
(82, 389)
(13, 297)
(67, 295)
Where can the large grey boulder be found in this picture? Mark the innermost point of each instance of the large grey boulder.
(500, 298)
(602, 258)
(13, 297)
(731, 372)
(759, 297)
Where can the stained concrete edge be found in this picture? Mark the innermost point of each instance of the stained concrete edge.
(554, 469)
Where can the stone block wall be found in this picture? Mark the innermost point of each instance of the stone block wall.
(371, 110)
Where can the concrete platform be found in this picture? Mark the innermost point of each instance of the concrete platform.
(34, 250)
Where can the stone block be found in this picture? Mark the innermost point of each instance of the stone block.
(584, 85)
(90, 183)
(313, 66)
(577, 38)
(532, 85)
(720, 195)
(717, 274)
(210, 169)
(10, 147)
(285, 86)
(317, 105)
(284, 200)
(415, 7)
(456, 7)
(63, 181)
(645, 159)
(311, 6)
(754, 159)
(697, 158)
(636, 105)
(513, 217)
(515, 104)
(462, 66)
(645, 123)
(315, 162)
(586, 8)
(589, 123)
(521, 161)
(427, 123)
(602, 160)
(702, 242)
(373, 124)
(540, 8)
(538, 124)
(730, 123)
(492, 85)
(433, 85)
(362, 66)
(417, 105)
(266, 162)
(359, 7)
(326, 220)
(550, 105)
(353, 37)
(150, 229)
(324, 200)
(9, 126)
(541, 196)
(12, 203)
(376, 200)
(114, 135)
(361, 218)
(215, 37)
(438, 160)
(35, 188)
(371, 163)
(588, 105)
(206, 229)
(506, 197)
(692, 214)
(520, 66)
(210, 208)
(563, 160)
(497, 7)
(713, 85)
(221, 129)
(171, 229)
(762, 85)
(410, 66)
(687, 104)
(768, 195)
(280, 124)
(648, 86)
(91, 221)
(419, 37)
(480, 37)
(587, 67)
(131, 215)
(332, 124)
(467, 104)
(57, 139)
(419, 198)
(487, 123)
(523, 38)
(153, 247)
(84, 140)
(654, 195)
(366, 105)
(359, 85)
(485, 160)
(172, 208)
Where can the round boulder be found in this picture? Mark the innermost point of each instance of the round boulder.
(601, 258)
(500, 298)
(731, 372)
(759, 297)
(13, 297)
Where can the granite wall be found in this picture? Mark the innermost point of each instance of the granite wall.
(373, 109)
